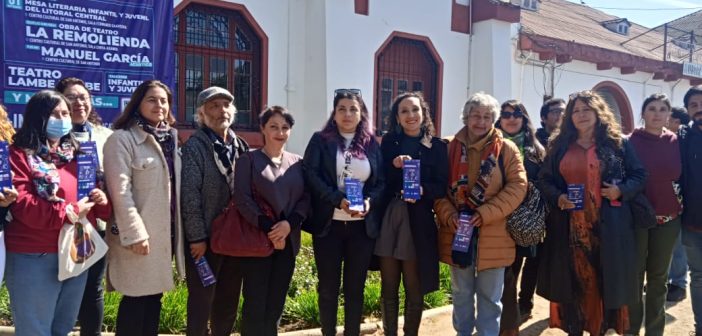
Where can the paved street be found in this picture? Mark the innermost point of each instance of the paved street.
(679, 322)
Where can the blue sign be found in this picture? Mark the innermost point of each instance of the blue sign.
(112, 45)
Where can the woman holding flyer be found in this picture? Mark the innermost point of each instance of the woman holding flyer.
(473, 237)
(277, 178)
(343, 171)
(588, 267)
(87, 127)
(142, 174)
(44, 164)
(407, 246)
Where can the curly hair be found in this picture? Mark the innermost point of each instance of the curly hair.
(364, 129)
(66, 82)
(427, 124)
(527, 127)
(608, 132)
(7, 131)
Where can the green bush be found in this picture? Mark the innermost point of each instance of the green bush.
(301, 309)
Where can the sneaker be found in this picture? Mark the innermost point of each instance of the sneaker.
(675, 293)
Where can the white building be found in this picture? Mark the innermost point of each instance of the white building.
(297, 52)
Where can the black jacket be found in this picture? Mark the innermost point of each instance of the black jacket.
(434, 173)
(617, 259)
(690, 139)
(319, 165)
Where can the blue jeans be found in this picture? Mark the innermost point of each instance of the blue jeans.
(41, 305)
(693, 246)
(487, 285)
(678, 265)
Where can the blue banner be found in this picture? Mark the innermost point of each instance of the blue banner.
(112, 45)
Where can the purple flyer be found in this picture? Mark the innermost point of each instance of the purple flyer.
(576, 194)
(205, 272)
(410, 180)
(461, 242)
(5, 174)
(354, 193)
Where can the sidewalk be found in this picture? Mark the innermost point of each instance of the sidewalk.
(679, 321)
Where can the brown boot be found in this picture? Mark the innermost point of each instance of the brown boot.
(390, 309)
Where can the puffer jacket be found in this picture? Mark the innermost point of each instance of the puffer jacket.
(495, 246)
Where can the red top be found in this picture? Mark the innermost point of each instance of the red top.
(660, 155)
(36, 222)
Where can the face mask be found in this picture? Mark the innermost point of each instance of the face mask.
(57, 128)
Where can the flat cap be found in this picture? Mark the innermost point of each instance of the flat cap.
(212, 93)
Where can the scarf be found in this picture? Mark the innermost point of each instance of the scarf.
(224, 154)
(82, 132)
(472, 198)
(44, 163)
(162, 134)
(518, 140)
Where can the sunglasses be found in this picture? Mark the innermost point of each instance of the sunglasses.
(516, 114)
(355, 92)
(556, 110)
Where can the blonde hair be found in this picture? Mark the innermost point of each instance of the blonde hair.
(7, 131)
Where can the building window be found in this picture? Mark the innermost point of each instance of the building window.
(532, 5)
(618, 103)
(623, 29)
(218, 47)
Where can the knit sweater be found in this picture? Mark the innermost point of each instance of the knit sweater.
(204, 190)
(660, 155)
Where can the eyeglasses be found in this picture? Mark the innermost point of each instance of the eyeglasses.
(81, 98)
(356, 92)
(557, 110)
(516, 114)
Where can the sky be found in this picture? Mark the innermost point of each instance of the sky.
(648, 13)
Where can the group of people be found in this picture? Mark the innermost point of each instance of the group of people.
(156, 201)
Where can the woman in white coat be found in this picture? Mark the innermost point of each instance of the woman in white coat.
(142, 170)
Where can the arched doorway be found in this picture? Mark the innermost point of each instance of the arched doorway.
(404, 63)
(617, 100)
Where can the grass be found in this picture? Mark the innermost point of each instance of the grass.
(301, 310)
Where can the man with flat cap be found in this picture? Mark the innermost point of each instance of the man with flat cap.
(207, 184)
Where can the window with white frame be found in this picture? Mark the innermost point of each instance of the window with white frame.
(530, 4)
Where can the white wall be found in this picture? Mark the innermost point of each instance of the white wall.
(578, 75)
(352, 41)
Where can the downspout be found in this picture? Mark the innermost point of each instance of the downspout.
(645, 84)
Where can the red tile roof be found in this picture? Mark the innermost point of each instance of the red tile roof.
(580, 24)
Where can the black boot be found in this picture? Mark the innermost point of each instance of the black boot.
(389, 308)
(413, 317)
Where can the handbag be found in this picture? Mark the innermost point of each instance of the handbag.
(80, 246)
(642, 211)
(233, 235)
(527, 223)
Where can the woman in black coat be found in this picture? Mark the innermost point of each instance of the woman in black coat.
(516, 126)
(345, 149)
(588, 265)
(407, 245)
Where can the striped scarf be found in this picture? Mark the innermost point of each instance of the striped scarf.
(464, 195)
